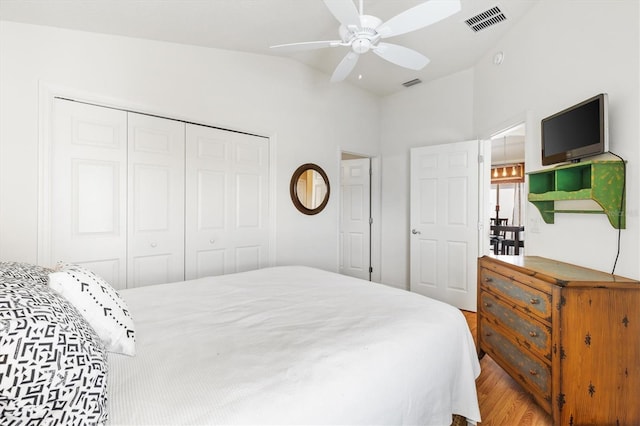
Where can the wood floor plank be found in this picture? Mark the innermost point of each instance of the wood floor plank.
(502, 401)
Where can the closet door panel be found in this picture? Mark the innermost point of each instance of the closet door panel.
(156, 200)
(152, 188)
(96, 203)
(209, 263)
(148, 269)
(250, 225)
(227, 202)
(248, 258)
(211, 206)
(248, 190)
(88, 188)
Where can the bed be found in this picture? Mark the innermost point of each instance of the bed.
(282, 345)
(292, 345)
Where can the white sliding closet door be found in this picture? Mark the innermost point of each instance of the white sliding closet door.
(156, 200)
(143, 200)
(226, 202)
(88, 189)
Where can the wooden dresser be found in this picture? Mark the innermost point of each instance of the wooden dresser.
(569, 335)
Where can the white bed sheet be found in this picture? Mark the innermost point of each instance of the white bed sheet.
(292, 345)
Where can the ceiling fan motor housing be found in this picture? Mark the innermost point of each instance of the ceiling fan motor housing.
(364, 38)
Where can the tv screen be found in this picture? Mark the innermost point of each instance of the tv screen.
(576, 132)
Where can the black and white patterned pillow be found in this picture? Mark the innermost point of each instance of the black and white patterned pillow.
(99, 303)
(25, 271)
(53, 366)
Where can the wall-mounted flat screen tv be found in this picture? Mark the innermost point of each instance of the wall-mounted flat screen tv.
(576, 132)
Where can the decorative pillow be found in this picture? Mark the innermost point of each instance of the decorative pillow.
(25, 271)
(53, 366)
(99, 303)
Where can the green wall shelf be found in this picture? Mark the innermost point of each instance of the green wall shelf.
(600, 181)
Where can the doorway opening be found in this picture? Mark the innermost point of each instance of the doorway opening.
(507, 198)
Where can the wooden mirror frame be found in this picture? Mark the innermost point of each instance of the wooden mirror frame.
(293, 188)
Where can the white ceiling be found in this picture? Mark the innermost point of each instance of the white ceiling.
(254, 25)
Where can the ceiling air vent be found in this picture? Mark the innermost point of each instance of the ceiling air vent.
(412, 82)
(486, 19)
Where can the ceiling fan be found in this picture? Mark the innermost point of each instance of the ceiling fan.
(363, 33)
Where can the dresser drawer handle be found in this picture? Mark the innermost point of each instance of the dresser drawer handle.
(488, 334)
(487, 305)
(488, 280)
(534, 301)
(533, 372)
(533, 334)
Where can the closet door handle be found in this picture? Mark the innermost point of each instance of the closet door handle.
(415, 231)
(153, 244)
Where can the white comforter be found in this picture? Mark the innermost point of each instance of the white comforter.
(292, 345)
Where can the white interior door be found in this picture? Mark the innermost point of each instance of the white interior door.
(444, 222)
(156, 200)
(88, 189)
(227, 199)
(355, 227)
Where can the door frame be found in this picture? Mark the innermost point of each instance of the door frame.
(375, 230)
(525, 118)
(47, 92)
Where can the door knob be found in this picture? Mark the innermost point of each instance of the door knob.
(415, 231)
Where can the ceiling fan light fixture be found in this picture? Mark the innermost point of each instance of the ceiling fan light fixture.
(361, 45)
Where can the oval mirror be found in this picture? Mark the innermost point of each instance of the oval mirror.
(309, 189)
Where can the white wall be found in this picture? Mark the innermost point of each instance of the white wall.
(280, 98)
(427, 114)
(560, 53)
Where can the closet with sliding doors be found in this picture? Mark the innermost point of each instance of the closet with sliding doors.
(142, 200)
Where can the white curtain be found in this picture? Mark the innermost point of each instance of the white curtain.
(516, 218)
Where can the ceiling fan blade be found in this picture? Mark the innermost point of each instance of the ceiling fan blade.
(345, 12)
(307, 45)
(418, 17)
(345, 67)
(400, 55)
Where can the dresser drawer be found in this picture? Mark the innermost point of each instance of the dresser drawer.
(527, 331)
(530, 371)
(527, 298)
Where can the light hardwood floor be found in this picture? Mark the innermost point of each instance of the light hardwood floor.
(502, 400)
